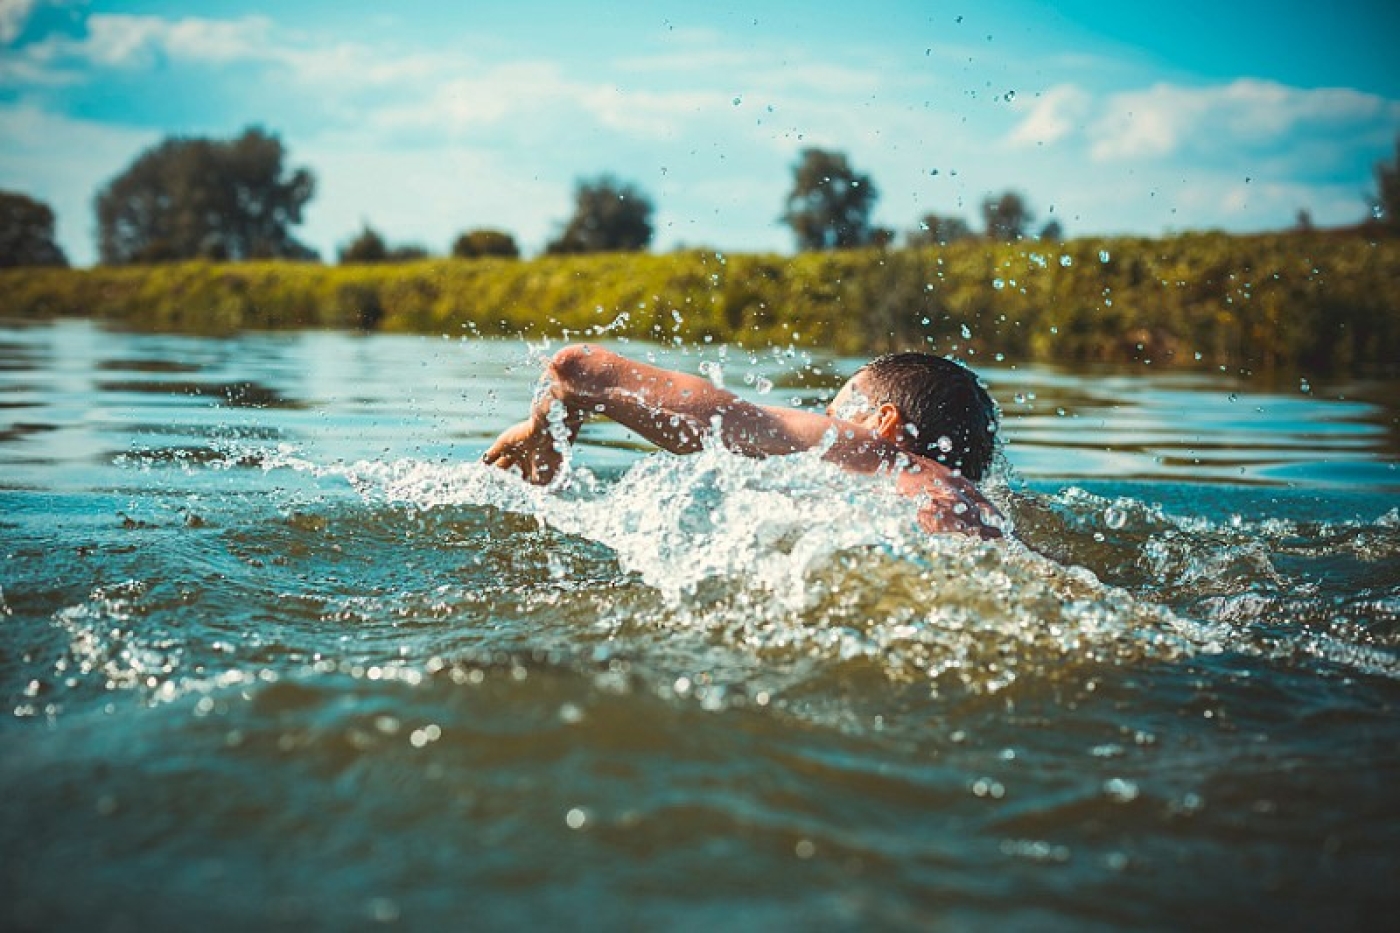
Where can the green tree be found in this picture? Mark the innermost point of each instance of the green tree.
(1006, 216)
(26, 232)
(1053, 231)
(485, 242)
(407, 252)
(830, 203)
(936, 230)
(609, 216)
(1388, 191)
(367, 247)
(205, 198)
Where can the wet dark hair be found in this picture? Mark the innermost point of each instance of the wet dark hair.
(941, 399)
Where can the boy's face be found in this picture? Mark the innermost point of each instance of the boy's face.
(851, 403)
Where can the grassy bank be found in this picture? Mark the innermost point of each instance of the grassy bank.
(1318, 302)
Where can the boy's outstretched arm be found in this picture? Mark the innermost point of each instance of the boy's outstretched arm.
(673, 410)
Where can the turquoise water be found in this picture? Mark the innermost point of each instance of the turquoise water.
(276, 652)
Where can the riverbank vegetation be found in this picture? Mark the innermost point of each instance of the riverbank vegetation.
(1313, 301)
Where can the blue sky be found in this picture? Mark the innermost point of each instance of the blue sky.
(429, 118)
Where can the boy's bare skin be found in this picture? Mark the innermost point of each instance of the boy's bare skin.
(676, 411)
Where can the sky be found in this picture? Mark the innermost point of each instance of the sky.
(426, 119)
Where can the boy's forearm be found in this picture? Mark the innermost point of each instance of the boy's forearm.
(667, 408)
(676, 410)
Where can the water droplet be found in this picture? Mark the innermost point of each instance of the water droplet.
(764, 386)
(1104, 256)
(575, 818)
(966, 333)
(1120, 790)
(382, 910)
(738, 100)
(945, 444)
(713, 372)
(1066, 261)
(1114, 517)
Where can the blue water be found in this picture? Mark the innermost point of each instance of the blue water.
(276, 652)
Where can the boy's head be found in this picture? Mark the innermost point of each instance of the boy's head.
(928, 405)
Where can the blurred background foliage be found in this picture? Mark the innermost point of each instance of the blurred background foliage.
(1316, 301)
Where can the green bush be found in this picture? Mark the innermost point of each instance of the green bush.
(1314, 300)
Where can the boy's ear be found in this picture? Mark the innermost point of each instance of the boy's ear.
(888, 423)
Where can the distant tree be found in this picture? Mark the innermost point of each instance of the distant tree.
(1006, 216)
(407, 252)
(367, 247)
(26, 232)
(609, 216)
(205, 198)
(485, 242)
(1388, 191)
(935, 230)
(830, 203)
(1052, 232)
(1304, 222)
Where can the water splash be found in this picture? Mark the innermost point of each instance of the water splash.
(767, 575)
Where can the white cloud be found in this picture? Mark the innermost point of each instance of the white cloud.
(1053, 116)
(13, 15)
(123, 40)
(1237, 118)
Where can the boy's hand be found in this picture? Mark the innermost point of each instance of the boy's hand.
(529, 447)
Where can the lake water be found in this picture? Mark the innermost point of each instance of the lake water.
(277, 652)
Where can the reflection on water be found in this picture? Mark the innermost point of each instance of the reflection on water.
(273, 644)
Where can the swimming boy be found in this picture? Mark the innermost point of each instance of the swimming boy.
(920, 419)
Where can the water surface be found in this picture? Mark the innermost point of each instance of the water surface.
(276, 651)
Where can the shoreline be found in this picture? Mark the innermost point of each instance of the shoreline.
(1326, 302)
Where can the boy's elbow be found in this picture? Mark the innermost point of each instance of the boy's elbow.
(578, 371)
(576, 361)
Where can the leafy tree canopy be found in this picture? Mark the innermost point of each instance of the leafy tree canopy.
(1007, 216)
(609, 216)
(485, 242)
(830, 203)
(369, 247)
(205, 198)
(937, 230)
(26, 233)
